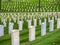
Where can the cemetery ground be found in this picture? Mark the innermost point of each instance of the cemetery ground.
(51, 38)
(47, 32)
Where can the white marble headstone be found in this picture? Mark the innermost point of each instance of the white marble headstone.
(53, 18)
(31, 17)
(31, 33)
(14, 19)
(43, 29)
(4, 22)
(35, 22)
(29, 23)
(58, 23)
(1, 30)
(51, 25)
(15, 37)
(17, 19)
(45, 21)
(48, 19)
(10, 27)
(20, 23)
(40, 22)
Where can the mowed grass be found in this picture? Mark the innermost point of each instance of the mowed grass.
(51, 38)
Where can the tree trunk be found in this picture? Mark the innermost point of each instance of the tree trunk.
(9, 0)
(0, 4)
(39, 5)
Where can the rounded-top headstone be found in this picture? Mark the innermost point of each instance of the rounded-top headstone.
(15, 37)
(32, 27)
(31, 33)
(14, 31)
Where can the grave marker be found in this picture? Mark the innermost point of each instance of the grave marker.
(35, 22)
(29, 23)
(39, 21)
(10, 27)
(14, 19)
(31, 33)
(43, 29)
(1, 30)
(20, 23)
(15, 37)
(51, 25)
(58, 23)
(4, 22)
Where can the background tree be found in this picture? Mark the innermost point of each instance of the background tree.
(0, 4)
(9, 0)
(39, 5)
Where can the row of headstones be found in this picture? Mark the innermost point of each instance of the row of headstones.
(27, 1)
(21, 18)
(31, 29)
(17, 1)
(12, 8)
(30, 17)
(29, 14)
(20, 23)
(15, 33)
(28, 10)
(17, 5)
(20, 9)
